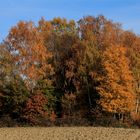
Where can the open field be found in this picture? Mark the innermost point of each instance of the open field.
(68, 133)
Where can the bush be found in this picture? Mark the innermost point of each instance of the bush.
(136, 119)
(35, 108)
(13, 96)
(7, 121)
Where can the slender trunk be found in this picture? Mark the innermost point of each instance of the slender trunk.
(89, 98)
(137, 105)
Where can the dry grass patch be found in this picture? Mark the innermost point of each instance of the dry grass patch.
(67, 133)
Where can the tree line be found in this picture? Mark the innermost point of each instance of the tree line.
(67, 69)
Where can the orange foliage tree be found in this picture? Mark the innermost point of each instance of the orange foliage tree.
(132, 42)
(116, 85)
(72, 69)
(30, 55)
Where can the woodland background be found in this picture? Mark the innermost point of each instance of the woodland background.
(62, 72)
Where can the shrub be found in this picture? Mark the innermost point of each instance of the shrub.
(35, 108)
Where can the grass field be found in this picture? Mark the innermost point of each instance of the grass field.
(68, 133)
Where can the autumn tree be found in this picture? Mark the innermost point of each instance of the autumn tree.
(7, 69)
(30, 56)
(132, 43)
(65, 68)
(91, 31)
(31, 59)
(12, 87)
(100, 31)
(116, 85)
(62, 36)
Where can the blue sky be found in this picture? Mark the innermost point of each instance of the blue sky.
(126, 12)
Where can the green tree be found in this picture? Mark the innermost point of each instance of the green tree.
(13, 97)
